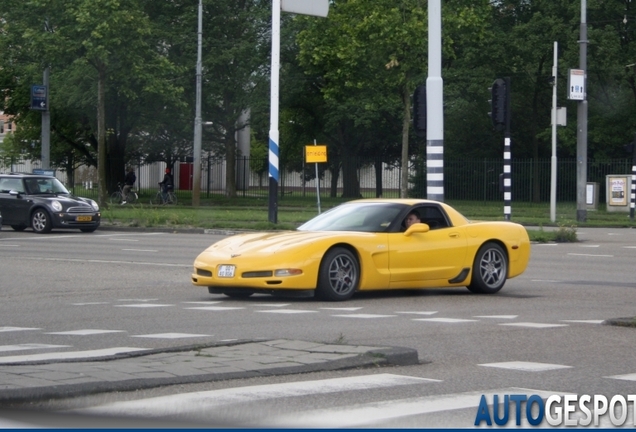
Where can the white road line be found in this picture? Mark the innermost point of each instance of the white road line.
(590, 246)
(497, 316)
(585, 321)
(85, 332)
(526, 366)
(364, 316)
(144, 305)
(287, 311)
(205, 400)
(445, 320)
(342, 309)
(533, 325)
(216, 308)
(171, 335)
(628, 377)
(10, 329)
(374, 413)
(419, 313)
(29, 346)
(93, 261)
(69, 355)
(89, 303)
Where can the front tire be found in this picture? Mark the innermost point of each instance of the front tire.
(41, 221)
(490, 269)
(115, 198)
(339, 275)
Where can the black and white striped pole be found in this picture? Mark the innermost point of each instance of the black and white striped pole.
(631, 147)
(500, 113)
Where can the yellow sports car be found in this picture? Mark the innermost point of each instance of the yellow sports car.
(365, 245)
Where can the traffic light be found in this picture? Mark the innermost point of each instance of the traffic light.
(498, 103)
(419, 110)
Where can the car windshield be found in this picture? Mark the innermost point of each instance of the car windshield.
(365, 217)
(45, 185)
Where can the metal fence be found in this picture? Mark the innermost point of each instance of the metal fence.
(464, 179)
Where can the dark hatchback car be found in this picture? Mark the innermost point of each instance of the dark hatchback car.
(43, 203)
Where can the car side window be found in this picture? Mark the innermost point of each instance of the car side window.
(9, 184)
(433, 217)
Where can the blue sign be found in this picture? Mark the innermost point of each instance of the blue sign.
(46, 172)
(38, 98)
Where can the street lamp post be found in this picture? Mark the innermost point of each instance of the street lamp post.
(196, 160)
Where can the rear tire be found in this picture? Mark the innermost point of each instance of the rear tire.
(490, 269)
(339, 275)
(41, 221)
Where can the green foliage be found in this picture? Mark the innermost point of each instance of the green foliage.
(565, 233)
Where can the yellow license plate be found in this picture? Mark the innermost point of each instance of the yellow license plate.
(84, 218)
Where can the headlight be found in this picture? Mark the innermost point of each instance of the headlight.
(95, 206)
(56, 206)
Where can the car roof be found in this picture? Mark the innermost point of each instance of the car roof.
(24, 175)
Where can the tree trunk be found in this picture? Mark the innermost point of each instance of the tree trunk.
(230, 164)
(378, 177)
(406, 121)
(101, 136)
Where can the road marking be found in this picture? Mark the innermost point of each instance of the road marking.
(144, 305)
(628, 377)
(89, 303)
(497, 316)
(86, 332)
(9, 245)
(590, 246)
(342, 309)
(141, 250)
(364, 316)
(419, 313)
(201, 302)
(171, 335)
(288, 311)
(585, 321)
(93, 261)
(445, 320)
(70, 355)
(203, 400)
(272, 304)
(138, 300)
(525, 366)
(216, 308)
(29, 346)
(592, 255)
(629, 247)
(10, 329)
(533, 325)
(376, 413)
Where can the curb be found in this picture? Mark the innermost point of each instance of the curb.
(385, 356)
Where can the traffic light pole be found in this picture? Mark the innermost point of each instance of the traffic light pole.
(632, 202)
(507, 178)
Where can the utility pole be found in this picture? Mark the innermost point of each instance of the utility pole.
(581, 135)
(553, 160)
(435, 106)
(196, 160)
(46, 125)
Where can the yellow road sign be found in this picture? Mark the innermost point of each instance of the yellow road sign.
(315, 153)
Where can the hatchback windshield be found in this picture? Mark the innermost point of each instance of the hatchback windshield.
(45, 185)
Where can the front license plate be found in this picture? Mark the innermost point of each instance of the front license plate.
(225, 271)
(84, 218)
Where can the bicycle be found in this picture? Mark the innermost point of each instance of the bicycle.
(117, 197)
(171, 198)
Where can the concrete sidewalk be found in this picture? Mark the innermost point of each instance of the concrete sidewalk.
(38, 380)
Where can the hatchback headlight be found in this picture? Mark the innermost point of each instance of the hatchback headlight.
(56, 206)
(94, 205)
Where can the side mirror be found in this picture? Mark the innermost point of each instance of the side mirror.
(417, 228)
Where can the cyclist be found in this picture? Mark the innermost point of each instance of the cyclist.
(129, 181)
(166, 185)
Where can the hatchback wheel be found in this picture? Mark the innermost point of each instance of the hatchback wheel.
(41, 221)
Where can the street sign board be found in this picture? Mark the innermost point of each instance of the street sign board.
(315, 153)
(576, 84)
(39, 98)
(318, 8)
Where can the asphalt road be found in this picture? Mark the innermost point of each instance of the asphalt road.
(542, 332)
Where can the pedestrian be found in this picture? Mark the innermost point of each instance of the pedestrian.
(129, 181)
(166, 185)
